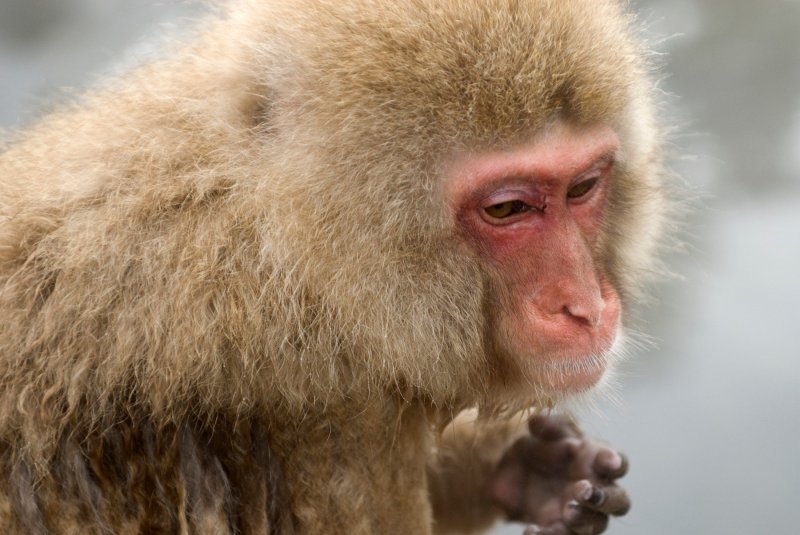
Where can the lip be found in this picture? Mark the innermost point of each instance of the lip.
(575, 365)
(582, 340)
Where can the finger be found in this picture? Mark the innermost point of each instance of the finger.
(554, 529)
(553, 427)
(608, 500)
(610, 464)
(584, 521)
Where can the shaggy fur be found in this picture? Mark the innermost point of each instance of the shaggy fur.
(231, 297)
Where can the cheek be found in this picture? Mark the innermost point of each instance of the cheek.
(612, 314)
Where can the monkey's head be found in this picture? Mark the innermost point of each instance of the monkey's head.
(468, 192)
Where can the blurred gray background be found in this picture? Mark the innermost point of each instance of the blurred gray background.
(710, 414)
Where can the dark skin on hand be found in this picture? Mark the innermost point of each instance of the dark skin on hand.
(560, 481)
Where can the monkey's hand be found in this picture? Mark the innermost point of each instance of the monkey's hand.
(562, 482)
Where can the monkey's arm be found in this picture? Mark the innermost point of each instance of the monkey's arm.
(465, 459)
(550, 475)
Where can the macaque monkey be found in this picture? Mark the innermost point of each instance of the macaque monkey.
(302, 274)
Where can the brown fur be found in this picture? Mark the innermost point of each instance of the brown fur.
(231, 298)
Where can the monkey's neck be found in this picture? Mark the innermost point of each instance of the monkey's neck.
(357, 472)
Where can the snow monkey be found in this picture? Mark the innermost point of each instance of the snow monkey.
(254, 285)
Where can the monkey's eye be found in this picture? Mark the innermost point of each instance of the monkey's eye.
(581, 188)
(506, 209)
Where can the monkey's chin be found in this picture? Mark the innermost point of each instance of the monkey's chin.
(572, 375)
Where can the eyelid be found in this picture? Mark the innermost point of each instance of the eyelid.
(598, 170)
(500, 197)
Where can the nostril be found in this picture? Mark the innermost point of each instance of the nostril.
(573, 304)
(586, 315)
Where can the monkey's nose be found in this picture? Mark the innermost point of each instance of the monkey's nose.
(587, 313)
(568, 302)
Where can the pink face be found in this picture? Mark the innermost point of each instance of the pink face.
(534, 214)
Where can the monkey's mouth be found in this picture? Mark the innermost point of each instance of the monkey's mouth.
(578, 372)
(571, 364)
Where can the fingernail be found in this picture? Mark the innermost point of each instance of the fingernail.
(572, 512)
(610, 460)
(616, 462)
(597, 498)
